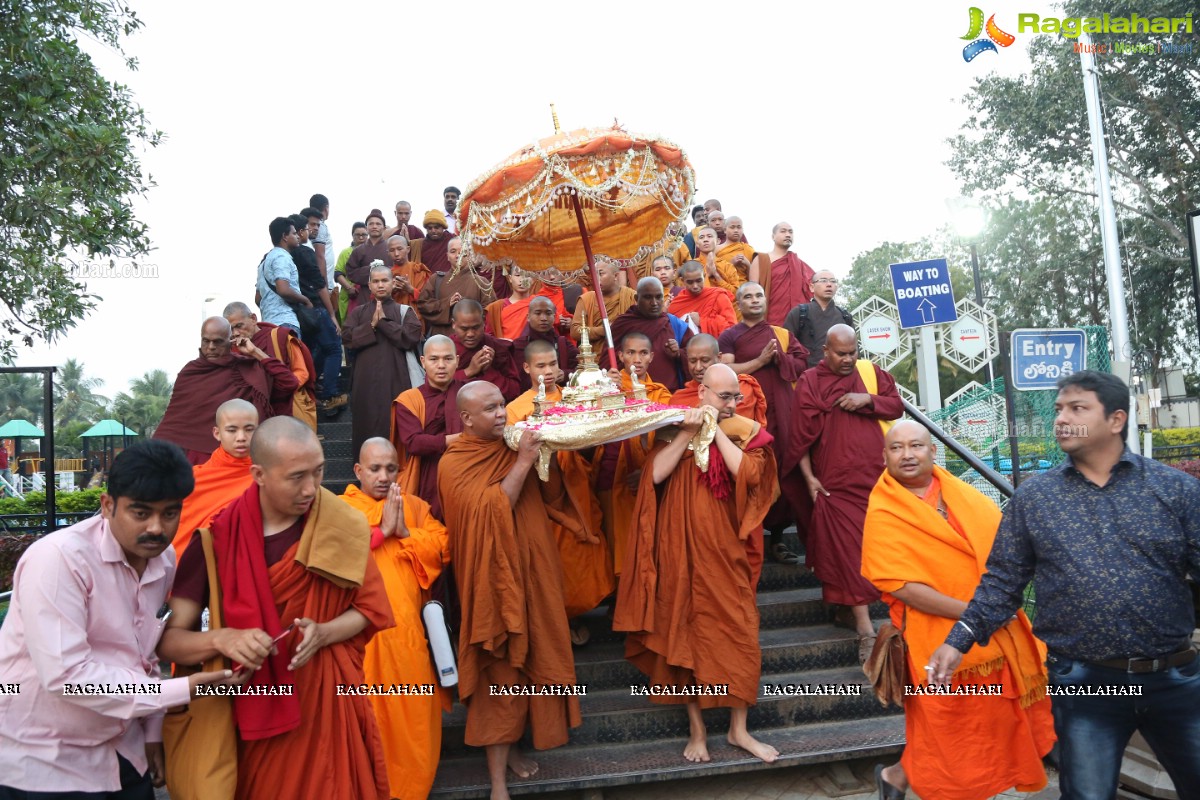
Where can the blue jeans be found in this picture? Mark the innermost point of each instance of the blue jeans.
(327, 357)
(1093, 731)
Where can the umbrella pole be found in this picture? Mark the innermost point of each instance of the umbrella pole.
(587, 249)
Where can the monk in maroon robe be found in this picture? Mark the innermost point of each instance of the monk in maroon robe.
(776, 360)
(791, 278)
(838, 443)
(425, 422)
(481, 356)
(434, 250)
(542, 313)
(667, 333)
(358, 267)
(221, 374)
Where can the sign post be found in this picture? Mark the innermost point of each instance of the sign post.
(1040, 356)
(924, 297)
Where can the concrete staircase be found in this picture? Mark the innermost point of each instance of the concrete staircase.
(625, 739)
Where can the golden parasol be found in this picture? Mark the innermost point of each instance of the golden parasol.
(556, 205)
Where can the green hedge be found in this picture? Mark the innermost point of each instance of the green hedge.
(1171, 437)
(66, 502)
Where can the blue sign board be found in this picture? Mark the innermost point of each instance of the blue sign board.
(923, 293)
(1040, 356)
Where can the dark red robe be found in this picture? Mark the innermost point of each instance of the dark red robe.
(791, 285)
(425, 439)
(358, 269)
(203, 385)
(846, 449)
(778, 386)
(664, 368)
(502, 372)
(568, 353)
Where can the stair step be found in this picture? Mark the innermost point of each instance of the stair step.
(572, 767)
(617, 716)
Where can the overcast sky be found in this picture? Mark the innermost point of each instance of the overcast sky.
(834, 119)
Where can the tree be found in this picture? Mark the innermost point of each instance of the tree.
(68, 164)
(20, 397)
(75, 397)
(1027, 137)
(143, 407)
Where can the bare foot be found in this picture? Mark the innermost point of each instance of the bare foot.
(500, 793)
(523, 767)
(753, 746)
(697, 749)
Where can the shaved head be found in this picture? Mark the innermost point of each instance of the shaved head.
(464, 307)
(236, 307)
(439, 342)
(841, 349)
(842, 333)
(536, 348)
(277, 435)
(439, 359)
(288, 465)
(909, 454)
(702, 352)
(482, 409)
(236, 406)
(703, 342)
(720, 389)
(236, 421)
(376, 446)
(691, 268)
(215, 335)
(541, 301)
(377, 467)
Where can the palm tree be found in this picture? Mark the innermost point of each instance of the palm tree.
(75, 396)
(142, 408)
(20, 397)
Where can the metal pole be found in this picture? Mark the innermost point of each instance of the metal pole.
(1011, 407)
(1117, 312)
(979, 300)
(48, 415)
(587, 249)
(927, 371)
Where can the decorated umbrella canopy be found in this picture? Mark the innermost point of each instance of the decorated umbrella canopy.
(554, 205)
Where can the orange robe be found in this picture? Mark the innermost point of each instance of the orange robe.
(514, 630)
(687, 599)
(219, 481)
(998, 742)
(725, 255)
(335, 753)
(712, 304)
(587, 307)
(418, 275)
(753, 405)
(410, 725)
(506, 318)
(582, 547)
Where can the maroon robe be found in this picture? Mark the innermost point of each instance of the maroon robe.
(434, 300)
(663, 368)
(791, 284)
(567, 353)
(425, 439)
(358, 269)
(380, 365)
(203, 385)
(433, 254)
(778, 386)
(502, 372)
(846, 449)
(263, 341)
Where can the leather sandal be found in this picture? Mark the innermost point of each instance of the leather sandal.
(886, 790)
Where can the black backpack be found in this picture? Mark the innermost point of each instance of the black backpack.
(803, 321)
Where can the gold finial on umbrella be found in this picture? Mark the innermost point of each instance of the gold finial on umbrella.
(554, 114)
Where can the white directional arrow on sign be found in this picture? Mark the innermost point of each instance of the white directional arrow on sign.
(968, 336)
(879, 335)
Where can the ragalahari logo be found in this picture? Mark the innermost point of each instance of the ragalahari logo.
(995, 36)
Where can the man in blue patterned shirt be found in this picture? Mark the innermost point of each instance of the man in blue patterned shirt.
(1108, 538)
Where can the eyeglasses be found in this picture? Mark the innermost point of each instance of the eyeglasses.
(726, 397)
(825, 280)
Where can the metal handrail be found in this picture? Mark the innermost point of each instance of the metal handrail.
(953, 445)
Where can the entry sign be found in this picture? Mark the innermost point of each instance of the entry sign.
(968, 337)
(879, 335)
(923, 293)
(1040, 356)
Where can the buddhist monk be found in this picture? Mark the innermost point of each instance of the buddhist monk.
(667, 333)
(226, 474)
(582, 547)
(687, 599)
(541, 328)
(434, 249)
(383, 336)
(776, 360)
(290, 554)
(663, 268)
(358, 266)
(715, 273)
(482, 356)
(285, 345)
(838, 443)
(514, 630)
(925, 544)
(617, 300)
(702, 352)
(791, 278)
(738, 254)
(227, 368)
(410, 548)
(425, 421)
(408, 277)
(708, 309)
(506, 318)
(443, 290)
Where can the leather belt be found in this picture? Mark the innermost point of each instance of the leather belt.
(1143, 665)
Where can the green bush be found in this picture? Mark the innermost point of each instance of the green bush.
(1173, 437)
(65, 502)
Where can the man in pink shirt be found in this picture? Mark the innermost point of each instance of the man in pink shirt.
(83, 697)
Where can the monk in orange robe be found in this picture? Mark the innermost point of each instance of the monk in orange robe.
(514, 630)
(737, 253)
(582, 547)
(708, 309)
(702, 352)
(506, 317)
(716, 274)
(925, 546)
(790, 278)
(408, 277)
(838, 443)
(687, 600)
(617, 300)
(300, 598)
(226, 474)
(410, 548)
